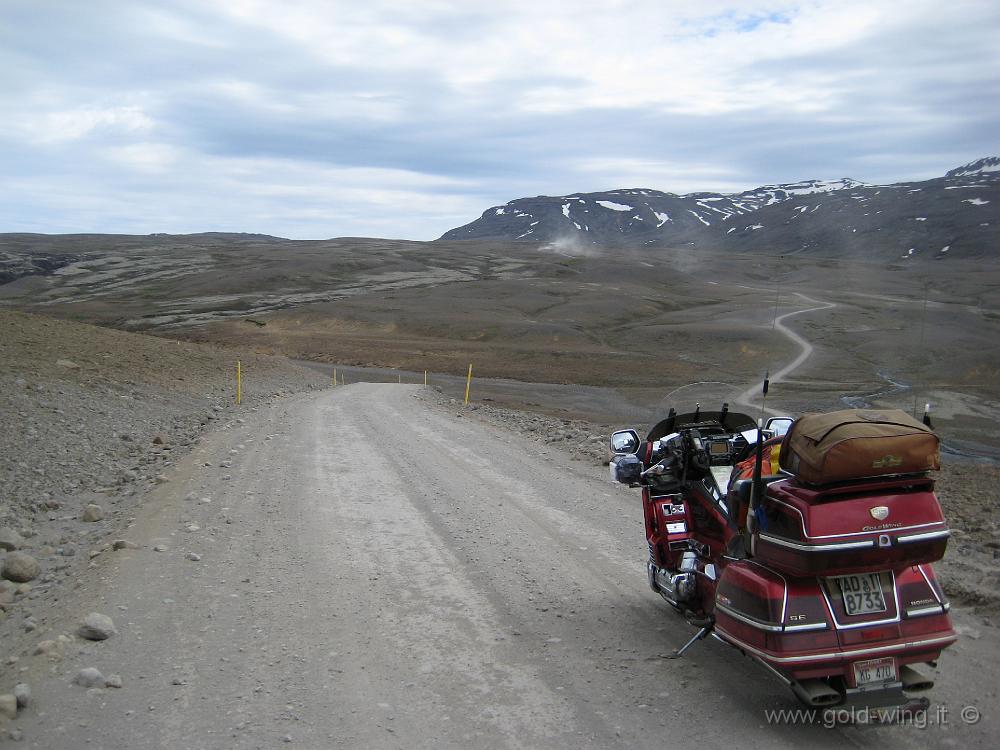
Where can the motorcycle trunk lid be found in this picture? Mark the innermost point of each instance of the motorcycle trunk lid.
(849, 528)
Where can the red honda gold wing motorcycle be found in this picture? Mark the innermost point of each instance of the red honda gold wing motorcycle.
(818, 567)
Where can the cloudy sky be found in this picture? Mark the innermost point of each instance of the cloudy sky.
(405, 118)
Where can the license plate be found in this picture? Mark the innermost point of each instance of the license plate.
(862, 593)
(875, 671)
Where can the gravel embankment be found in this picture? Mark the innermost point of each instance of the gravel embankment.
(91, 417)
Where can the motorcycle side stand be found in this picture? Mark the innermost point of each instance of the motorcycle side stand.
(699, 636)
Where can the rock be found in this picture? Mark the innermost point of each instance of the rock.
(8, 706)
(22, 692)
(162, 479)
(124, 544)
(90, 677)
(159, 440)
(10, 540)
(68, 364)
(93, 513)
(52, 649)
(193, 527)
(20, 567)
(193, 556)
(113, 681)
(15, 734)
(96, 627)
(160, 548)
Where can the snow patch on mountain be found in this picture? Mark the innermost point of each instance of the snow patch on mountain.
(615, 206)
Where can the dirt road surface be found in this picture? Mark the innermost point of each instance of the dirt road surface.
(381, 570)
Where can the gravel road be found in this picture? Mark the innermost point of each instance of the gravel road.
(378, 568)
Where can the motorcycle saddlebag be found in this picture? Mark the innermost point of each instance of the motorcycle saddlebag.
(853, 444)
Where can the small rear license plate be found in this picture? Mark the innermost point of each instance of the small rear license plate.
(862, 593)
(875, 671)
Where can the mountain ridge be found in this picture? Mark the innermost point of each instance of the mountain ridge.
(897, 221)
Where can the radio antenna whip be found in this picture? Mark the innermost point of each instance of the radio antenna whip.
(763, 399)
(920, 349)
(757, 488)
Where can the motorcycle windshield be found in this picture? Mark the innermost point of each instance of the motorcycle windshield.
(711, 406)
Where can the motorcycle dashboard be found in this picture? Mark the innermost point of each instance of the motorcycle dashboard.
(724, 450)
(718, 448)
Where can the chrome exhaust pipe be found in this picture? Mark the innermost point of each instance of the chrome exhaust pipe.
(816, 693)
(913, 681)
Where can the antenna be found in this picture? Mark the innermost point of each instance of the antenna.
(763, 400)
(757, 488)
(920, 348)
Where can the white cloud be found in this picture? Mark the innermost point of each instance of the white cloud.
(144, 157)
(73, 124)
(313, 118)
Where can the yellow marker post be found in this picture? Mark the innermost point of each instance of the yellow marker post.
(335, 376)
(425, 378)
(399, 378)
(468, 384)
(239, 383)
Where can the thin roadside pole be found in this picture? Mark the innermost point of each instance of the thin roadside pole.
(425, 378)
(239, 383)
(334, 377)
(468, 384)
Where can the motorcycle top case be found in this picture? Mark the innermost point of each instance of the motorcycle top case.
(855, 444)
(878, 524)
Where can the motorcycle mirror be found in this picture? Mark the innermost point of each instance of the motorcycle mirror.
(778, 426)
(624, 442)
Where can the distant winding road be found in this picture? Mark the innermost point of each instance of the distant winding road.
(751, 395)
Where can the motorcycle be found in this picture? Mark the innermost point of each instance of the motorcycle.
(828, 585)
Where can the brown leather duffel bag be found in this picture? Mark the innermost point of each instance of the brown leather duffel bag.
(858, 443)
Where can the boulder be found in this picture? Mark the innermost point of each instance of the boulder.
(20, 567)
(93, 513)
(10, 540)
(90, 677)
(22, 693)
(96, 627)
